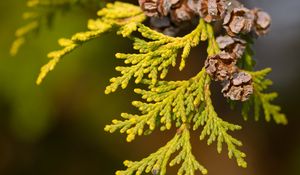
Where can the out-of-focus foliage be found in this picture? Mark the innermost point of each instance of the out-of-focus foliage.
(30, 109)
(38, 123)
(40, 12)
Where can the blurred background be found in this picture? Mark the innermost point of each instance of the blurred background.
(57, 128)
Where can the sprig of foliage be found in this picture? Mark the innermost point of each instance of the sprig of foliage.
(155, 56)
(183, 102)
(158, 161)
(125, 17)
(216, 129)
(262, 100)
(167, 102)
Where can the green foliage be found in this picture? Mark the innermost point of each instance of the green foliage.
(183, 105)
(124, 17)
(158, 161)
(216, 129)
(179, 102)
(155, 56)
(262, 100)
(167, 102)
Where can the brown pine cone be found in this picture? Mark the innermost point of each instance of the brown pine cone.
(239, 87)
(149, 7)
(221, 66)
(262, 22)
(212, 10)
(168, 16)
(157, 8)
(238, 21)
(182, 12)
(232, 45)
(179, 9)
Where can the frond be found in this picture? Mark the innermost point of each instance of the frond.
(217, 130)
(262, 100)
(110, 17)
(157, 162)
(155, 56)
(167, 102)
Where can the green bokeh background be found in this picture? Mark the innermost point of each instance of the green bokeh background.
(57, 128)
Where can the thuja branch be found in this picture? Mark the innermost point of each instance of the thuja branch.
(182, 102)
(186, 103)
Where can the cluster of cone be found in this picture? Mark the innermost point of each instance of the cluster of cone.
(222, 67)
(238, 22)
(168, 15)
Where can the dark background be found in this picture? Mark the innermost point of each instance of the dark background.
(57, 128)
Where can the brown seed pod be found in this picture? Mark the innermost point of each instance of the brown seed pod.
(149, 7)
(182, 12)
(221, 66)
(232, 45)
(179, 9)
(157, 8)
(239, 87)
(262, 22)
(168, 16)
(238, 21)
(164, 6)
(212, 10)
